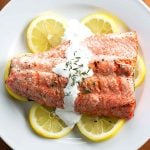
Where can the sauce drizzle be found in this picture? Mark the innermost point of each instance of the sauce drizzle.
(75, 68)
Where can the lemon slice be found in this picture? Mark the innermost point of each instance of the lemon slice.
(140, 72)
(46, 123)
(103, 23)
(45, 32)
(15, 96)
(99, 128)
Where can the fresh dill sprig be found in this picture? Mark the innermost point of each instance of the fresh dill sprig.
(75, 65)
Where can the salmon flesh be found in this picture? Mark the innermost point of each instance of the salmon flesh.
(109, 92)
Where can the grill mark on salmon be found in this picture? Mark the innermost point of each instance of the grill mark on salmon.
(109, 92)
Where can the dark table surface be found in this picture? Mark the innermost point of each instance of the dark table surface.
(4, 146)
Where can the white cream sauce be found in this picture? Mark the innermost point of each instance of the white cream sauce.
(75, 68)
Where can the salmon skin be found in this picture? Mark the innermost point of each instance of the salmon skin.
(109, 92)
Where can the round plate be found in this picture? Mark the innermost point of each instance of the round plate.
(14, 126)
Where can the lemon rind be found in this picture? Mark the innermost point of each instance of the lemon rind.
(118, 27)
(103, 136)
(141, 76)
(40, 131)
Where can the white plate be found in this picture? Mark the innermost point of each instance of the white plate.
(14, 127)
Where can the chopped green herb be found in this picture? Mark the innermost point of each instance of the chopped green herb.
(83, 73)
(67, 63)
(77, 57)
(73, 80)
(74, 68)
(86, 91)
(81, 65)
(88, 71)
(68, 93)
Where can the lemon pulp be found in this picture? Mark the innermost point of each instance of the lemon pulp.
(45, 32)
(104, 23)
(46, 123)
(99, 128)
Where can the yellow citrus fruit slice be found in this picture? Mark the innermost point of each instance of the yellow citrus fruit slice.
(45, 32)
(99, 128)
(46, 123)
(14, 95)
(104, 23)
(140, 72)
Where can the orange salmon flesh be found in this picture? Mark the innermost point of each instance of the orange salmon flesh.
(109, 92)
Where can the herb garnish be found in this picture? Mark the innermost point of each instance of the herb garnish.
(86, 91)
(75, 66)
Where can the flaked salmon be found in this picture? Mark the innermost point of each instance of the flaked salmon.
(109, 92)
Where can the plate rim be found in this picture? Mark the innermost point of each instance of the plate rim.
(8, 6)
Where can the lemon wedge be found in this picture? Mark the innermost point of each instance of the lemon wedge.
(46, 123)
(103, 23)
(140, 72)
(45, 32)
(99, 128)
(14, 95)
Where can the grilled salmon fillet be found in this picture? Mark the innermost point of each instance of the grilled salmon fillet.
(109, 92)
